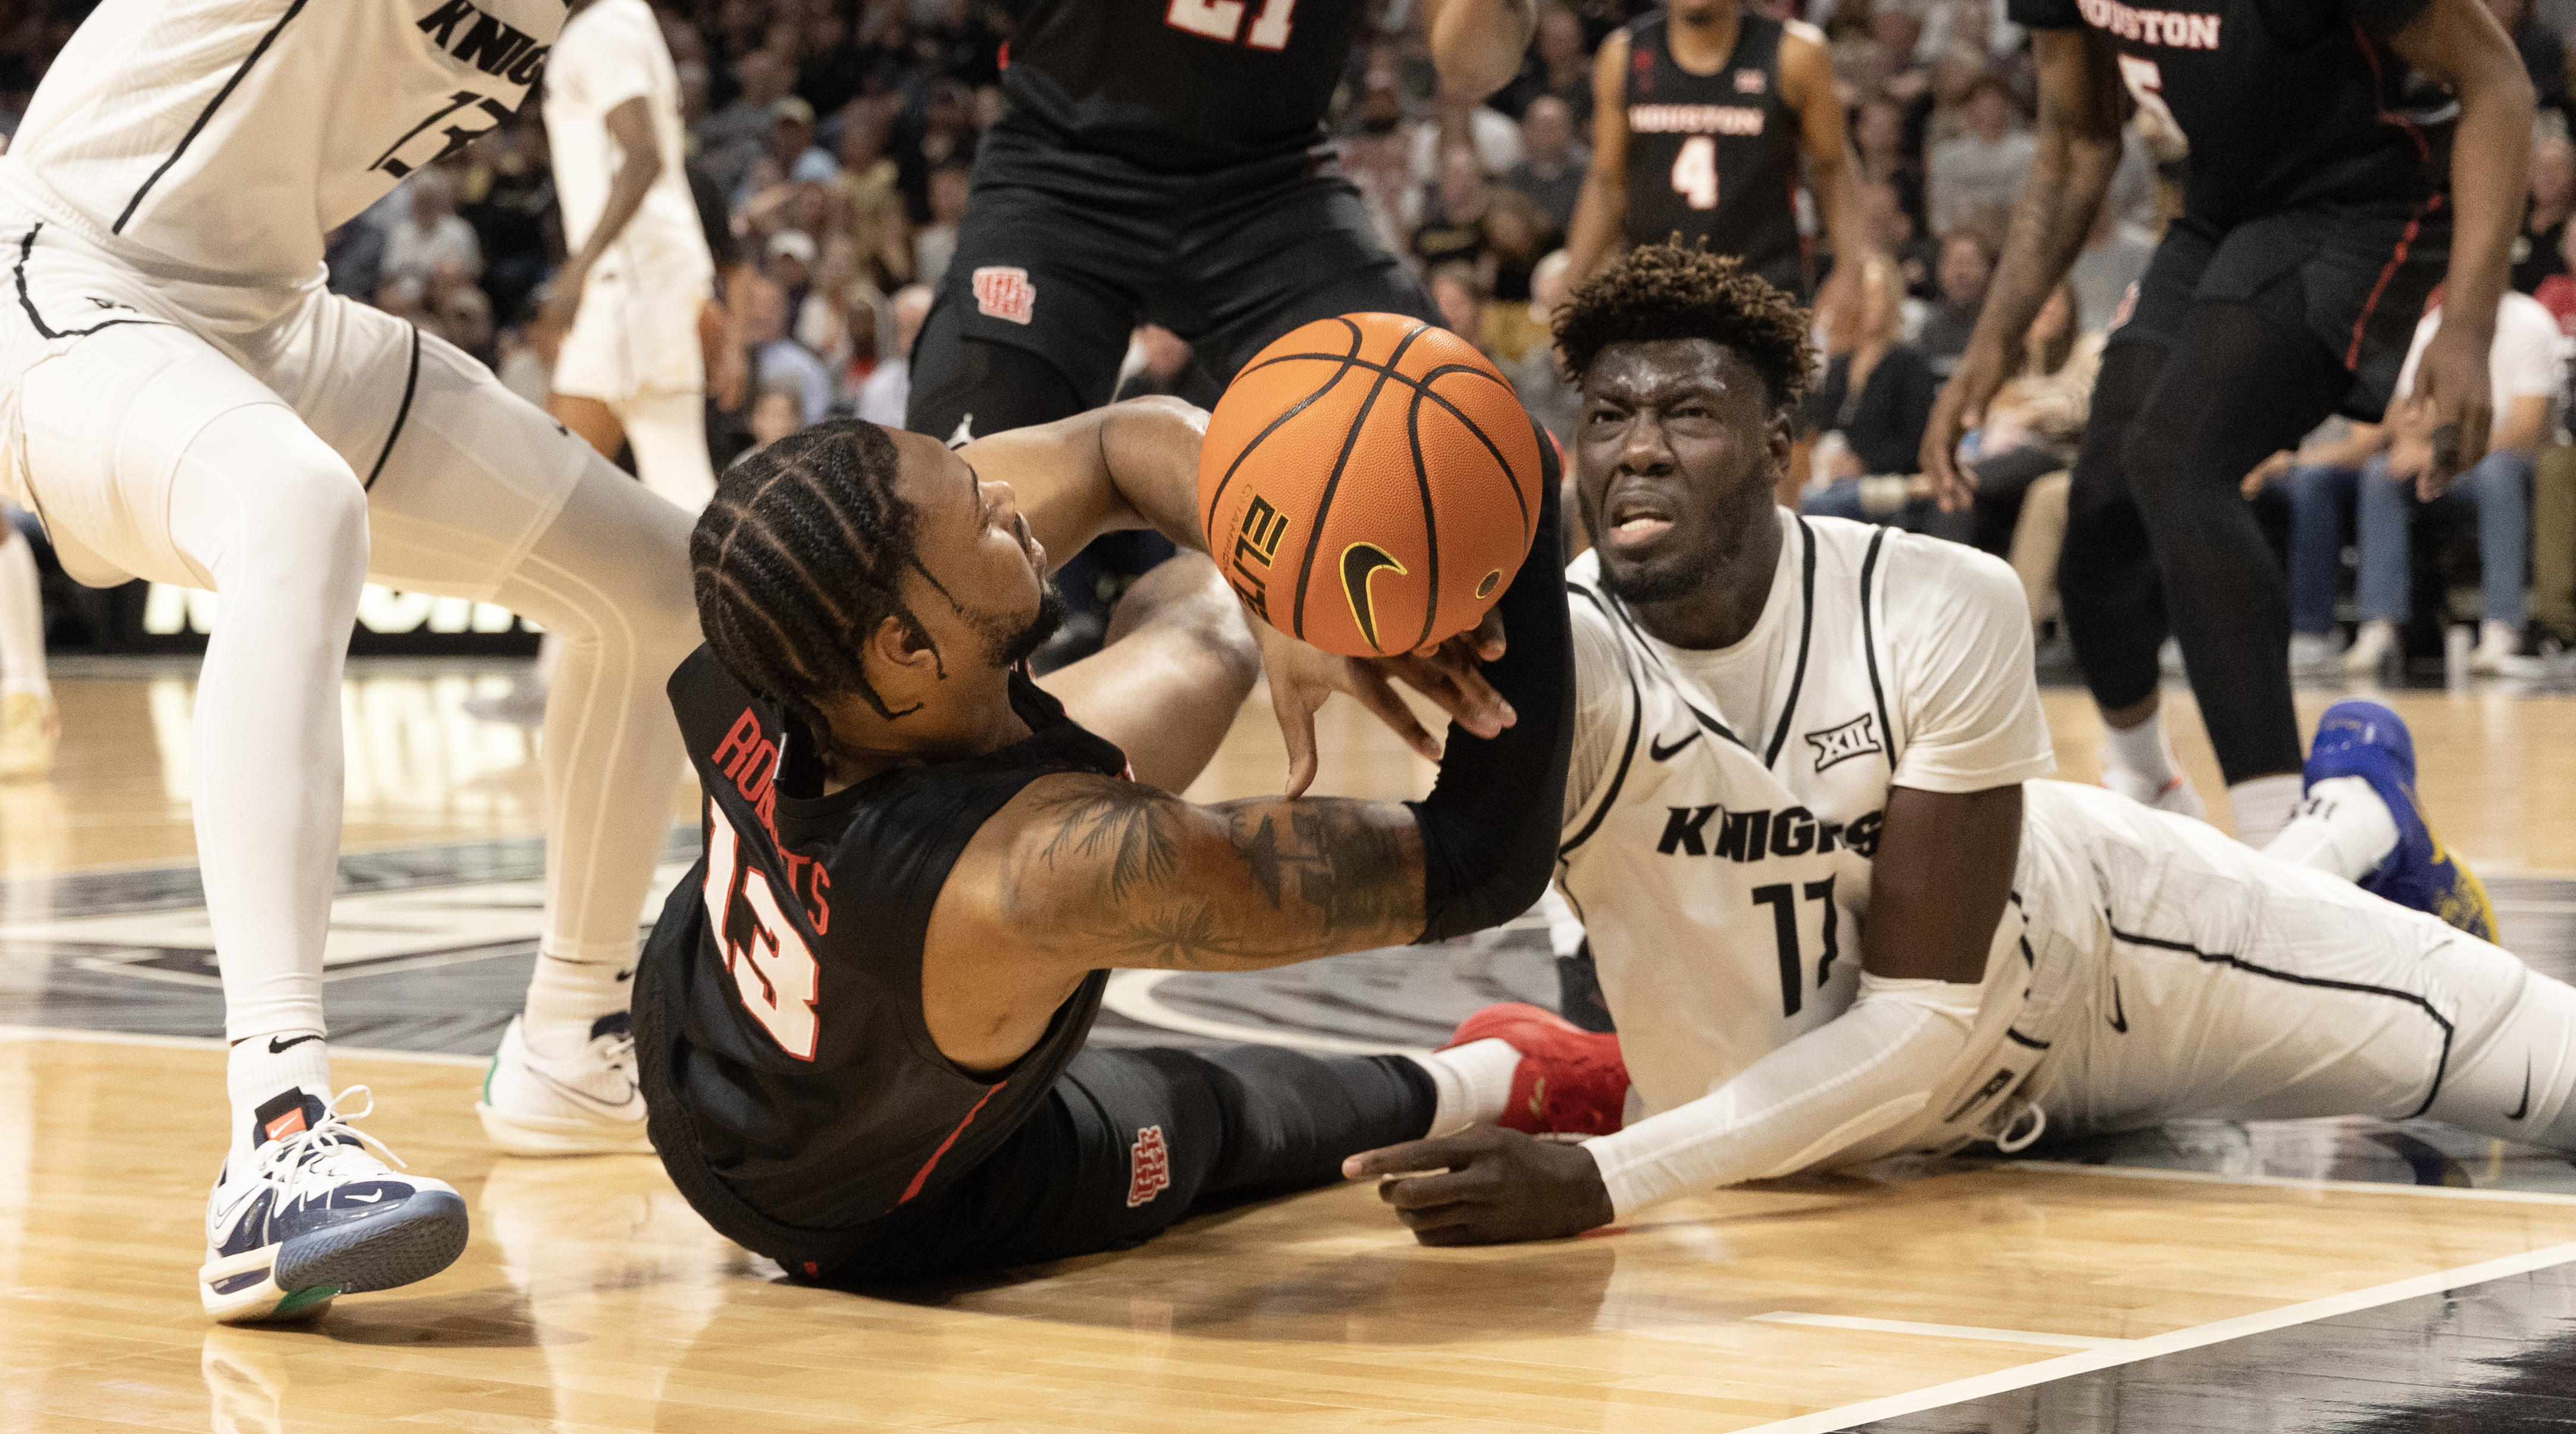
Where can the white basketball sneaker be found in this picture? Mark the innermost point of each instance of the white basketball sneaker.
(2175, 794)
(586, 1104)
(313, 1215)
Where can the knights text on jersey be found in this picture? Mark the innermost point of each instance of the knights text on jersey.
(1721, 866)
(1178, 86)
(221, 139)
(1716, 156)
(2285, 102)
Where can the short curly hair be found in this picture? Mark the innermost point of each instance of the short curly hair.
(1677, 291)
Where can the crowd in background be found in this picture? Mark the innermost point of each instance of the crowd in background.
(832, 144)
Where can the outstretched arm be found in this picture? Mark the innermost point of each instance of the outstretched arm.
(2078, 151)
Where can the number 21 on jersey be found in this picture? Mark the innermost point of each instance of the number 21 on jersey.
(1695, 172)
(774, 970)
(1219, 19)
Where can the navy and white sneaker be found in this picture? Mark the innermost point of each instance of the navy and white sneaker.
(315, 1215)
(2361, 738)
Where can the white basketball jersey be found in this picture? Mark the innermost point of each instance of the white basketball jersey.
(224, 138)
(610, 53)
(1720, 860)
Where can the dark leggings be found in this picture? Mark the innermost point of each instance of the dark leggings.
(1130, 1142)
(2159, 537)
(989, 387)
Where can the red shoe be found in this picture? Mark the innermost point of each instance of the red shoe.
(1570, 1081)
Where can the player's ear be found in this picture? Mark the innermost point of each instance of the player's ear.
(903, 646)
(1778, 437)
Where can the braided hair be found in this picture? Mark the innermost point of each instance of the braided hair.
(798, 558)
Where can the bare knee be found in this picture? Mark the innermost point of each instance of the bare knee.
(1187, 597)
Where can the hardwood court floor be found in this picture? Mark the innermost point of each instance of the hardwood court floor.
(592, 1299)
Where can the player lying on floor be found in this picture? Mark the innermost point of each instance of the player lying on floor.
(1836, 918)
(860, 1022)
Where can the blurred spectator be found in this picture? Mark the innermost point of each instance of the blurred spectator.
(1984, 167)
(1876, 399)
(2544, 55)
(1559, 68)
(1967, 266)
(2557, 293)
(507, 193)
(354, 254)
(465, 320)
(430, 234)
(868, 207)
(791, 255)
(1461, 301)
(792, 147)
(835, 66)
(1494, 138)
(1552, 163)
(1377, 156)
(2035, 422)
(2536, 249)
(937, 243)
(948, 127)
(2115, 256)
(1975, 25)
(961, 43)
(1915, 255)
(775, 411)
(1453, 224)
(1517, 236)
(1535, 375)
(778, 359)
(889, 384)
(1878, 138)
(732, 139)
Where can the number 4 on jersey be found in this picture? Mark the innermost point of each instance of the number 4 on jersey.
(1695, 172)
(1219, 19)
(774, 971)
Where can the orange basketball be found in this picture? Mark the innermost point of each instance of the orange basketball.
(1369, 484)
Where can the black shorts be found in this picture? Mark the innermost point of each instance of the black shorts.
(1064, 268)
(2366, 268)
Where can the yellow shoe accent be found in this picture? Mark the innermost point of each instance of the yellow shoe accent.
(28, 731)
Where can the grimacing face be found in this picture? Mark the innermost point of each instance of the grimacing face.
(987, 598)
(1676, 456)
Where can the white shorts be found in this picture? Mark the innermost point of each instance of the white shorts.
(2228, 985)
(629, 338)
(108, 373)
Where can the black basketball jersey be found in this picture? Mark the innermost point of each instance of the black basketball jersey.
(794, 1089)
(2285, 102)
(1715, 156)
(1178, 86)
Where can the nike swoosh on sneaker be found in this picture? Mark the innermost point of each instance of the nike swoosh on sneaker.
(366, 1199)
(277, 1047)
(612, 1107)
(2519, 1111)
(1657, 750)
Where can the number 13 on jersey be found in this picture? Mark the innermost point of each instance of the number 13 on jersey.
(774, 970)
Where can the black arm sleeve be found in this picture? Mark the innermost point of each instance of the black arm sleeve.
(1489, 827)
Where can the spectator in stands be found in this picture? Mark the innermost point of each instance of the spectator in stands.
(1552, 164)
(1377, 155)
(733, 138)
(2537, 249)
(354, 255)
(1983, 168)
(1453, 225)
(507, 193)
(2523, 366)
(948, 135)
(792, 147)
(1517, 236)
(1916, 257)
(1559, 67)
(1878, 138)
(1967, 266)
(937, 243)
(889, 384)
(429, 233)
(778, 359)
(1460, 297)
(2544, 56)
(776, 410)
(1534, 373)
(2035, 422)
(465, 320)
(867, 205)
(1875, 400)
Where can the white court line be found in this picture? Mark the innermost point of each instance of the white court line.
(1940, 1331)
(2023, 1376)
(1131, 994)
(2289, 1182)
(209, 1043)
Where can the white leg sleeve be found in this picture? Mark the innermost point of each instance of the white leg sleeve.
(22, 617)
(668, 432)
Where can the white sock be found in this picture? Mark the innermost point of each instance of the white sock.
(2263, 807)
(2142, 749)
(2343, 827)
(256, 1073)
(566, 997)
(1475, 1082)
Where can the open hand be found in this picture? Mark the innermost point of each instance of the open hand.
(1497, 1186)
(1961, 407)
(1303, 678)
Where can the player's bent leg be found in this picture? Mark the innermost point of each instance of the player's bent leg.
(1133, 1141)
(966, 388)
(668, 432)
(2512, 1069)
(1177, 665)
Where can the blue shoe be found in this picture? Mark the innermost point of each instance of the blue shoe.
(315, 1216)
(2365, 739)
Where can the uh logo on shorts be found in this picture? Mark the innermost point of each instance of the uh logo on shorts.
(1149, 1166)
(1005, 293)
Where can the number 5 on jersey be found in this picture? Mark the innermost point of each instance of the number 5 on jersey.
(774, 970)
(1695, 172)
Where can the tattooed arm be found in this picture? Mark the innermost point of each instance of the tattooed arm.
(1080, 872)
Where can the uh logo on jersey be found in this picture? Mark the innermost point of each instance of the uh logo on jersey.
(491, 45)
(1712, 830)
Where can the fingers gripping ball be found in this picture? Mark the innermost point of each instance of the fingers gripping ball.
(1369, 484)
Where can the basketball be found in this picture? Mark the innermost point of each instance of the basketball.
(1369, 483)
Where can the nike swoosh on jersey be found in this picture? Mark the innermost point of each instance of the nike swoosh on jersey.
(2119, 1017)
(1360, 562)
(278, 1047)
(2519, 1111)
(1657, 750)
